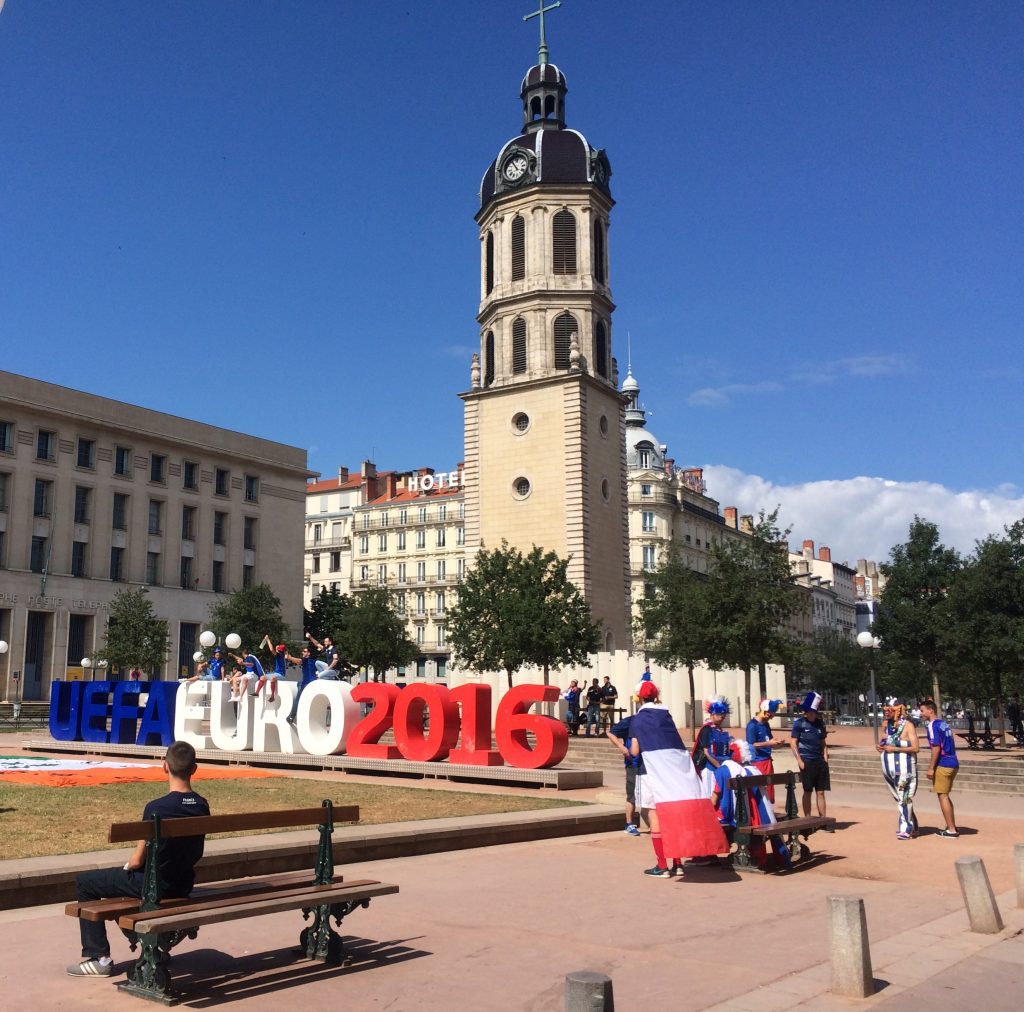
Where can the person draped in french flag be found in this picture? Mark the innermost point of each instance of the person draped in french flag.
(682, 818)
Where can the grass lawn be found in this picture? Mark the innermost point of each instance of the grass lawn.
(35, 821)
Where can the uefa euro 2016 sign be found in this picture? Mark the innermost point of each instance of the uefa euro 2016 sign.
(327, 721)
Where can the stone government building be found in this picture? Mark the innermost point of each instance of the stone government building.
(97, 495)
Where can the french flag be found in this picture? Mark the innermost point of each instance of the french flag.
(689, 824)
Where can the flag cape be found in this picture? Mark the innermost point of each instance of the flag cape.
(689, 825)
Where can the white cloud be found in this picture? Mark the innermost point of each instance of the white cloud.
(862, 518)
(714, 397)
(459, 352)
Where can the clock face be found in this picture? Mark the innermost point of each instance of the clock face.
(515, 167)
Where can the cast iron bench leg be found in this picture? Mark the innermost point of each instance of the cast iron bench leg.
(319, 940)
(149, 977)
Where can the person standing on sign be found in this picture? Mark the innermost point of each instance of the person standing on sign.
(807, 740)
(308, 673)
(331, 659)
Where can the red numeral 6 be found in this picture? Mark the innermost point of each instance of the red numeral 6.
(514, 720)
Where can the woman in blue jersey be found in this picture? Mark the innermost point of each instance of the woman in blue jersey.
(898, 749)
(711, 747)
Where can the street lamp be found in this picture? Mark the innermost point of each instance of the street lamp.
(869, 642)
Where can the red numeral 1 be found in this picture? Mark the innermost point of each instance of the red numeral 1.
(514, 720)
(365, 738)
(475, 747)
(435, 744)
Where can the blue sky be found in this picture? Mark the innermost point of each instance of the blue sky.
(260, 215)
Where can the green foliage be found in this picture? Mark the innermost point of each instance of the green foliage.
(135, 637)
(252, 612)
(914, 611)
(675, 621)
(831, 662)
(329, 615)
(373, 636)
(516, 609)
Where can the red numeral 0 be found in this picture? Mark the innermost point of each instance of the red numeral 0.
(514, 720)
(435, 744)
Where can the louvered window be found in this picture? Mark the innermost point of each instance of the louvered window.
(563, 235)
(519, 345)
(489, 359)
(518, 248)
(489, 269)
(601, 349)
(598, 253)
(565, 327)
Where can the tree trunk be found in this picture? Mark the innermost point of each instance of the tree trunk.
(935, 693)
(509, 672)
(693, 702)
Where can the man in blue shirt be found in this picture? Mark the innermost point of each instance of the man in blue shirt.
(807, 740)
(943, 766)
(620, 737)
(761, 740)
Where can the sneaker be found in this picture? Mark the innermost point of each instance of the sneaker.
(948, 835)
(235, 699)
(677, 870)
(91, 968)
(632, 830)
(657, 872)
(903, 836)
(290, 719)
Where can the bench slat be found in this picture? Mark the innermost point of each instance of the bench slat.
(791, 826)
(176, 921)
(110, 910)
(775, 780)
(124, 832)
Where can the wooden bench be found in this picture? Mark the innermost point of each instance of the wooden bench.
(978, 739)
(157, 924)
(792, 827)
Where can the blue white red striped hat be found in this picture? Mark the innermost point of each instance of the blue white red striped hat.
(716, 704)
(771, 706)
(812, 701)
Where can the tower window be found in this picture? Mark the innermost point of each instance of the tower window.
(519, 248)
(489, 269)
(563, 234)
(599, 252)
(519, 345)
(565, 327)
(521, 487)
(535, 107)
(601, 349)
(489, 358)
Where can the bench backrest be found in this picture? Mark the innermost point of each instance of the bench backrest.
(741, 787)
(199, 825)
(762, 781)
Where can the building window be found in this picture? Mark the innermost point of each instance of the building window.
(489, 358)
(422, 514)
(440, 537)
(222, 481)
(646, 489)
(489, 264)
(403, 517)
(78, 558)
(599, 252)
(421, 603)
(248, 575)
(316, 563)
(364, 574)
(382, 542)
(86, 451)
(156, 509)
(460, 568)
(153, 568)
(382, 574)
(366, 521)
(442, 511)
(364, 544)
(37, 560)
(518, 248)
(82, 503)
(648, 521)
(601, 350)
(439, 602)
(188, 523)
(335, 561)
(190, 475)
(518, 345)
(441, 567)
(157, 468)
(401, 573)
(521, 487)
(186, 573)
(249, 533)
(421, 539)
(117, 564)
(6, 437)
(565, 327)
(120, 514)
(421, 572)
(643, 454)
(122, 461)
(650, 558)
(41, 500)
(4, 480)
(218, 577)
(384, 519)
(78, 628)
(317, 533)
(439, 630)
(460, 535)
(400, 604)
(563, 243)
(252, 488)
(220, 532)
(421, 634)
(401, 541)
(46, 445)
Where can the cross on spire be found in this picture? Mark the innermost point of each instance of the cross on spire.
(542, 51)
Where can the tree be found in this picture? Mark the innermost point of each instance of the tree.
(914, 608)
(675, 621)
(832, 662)
(135, 637)
(329, 615)
(252, 612)
(752, 596)
(516, 609)
(373, 636)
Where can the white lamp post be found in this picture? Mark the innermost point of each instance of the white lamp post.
(3, 649)
(207, 638)
(869, 642)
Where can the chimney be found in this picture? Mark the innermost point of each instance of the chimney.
(368, 470)
(670, 466)
(808, 549)
(825, 554)
(342, 475)
(747, 523)
(390, 484)
(730, 516)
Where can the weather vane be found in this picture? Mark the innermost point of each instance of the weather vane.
(542, 51)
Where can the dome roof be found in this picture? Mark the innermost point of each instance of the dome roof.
(639, 440)
(543, 73)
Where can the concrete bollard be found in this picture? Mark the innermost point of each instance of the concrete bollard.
(978, 898)
(1018, 867)
(848, 943)
(586, 991)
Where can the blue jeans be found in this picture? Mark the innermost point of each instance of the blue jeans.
(101, 884)
(593, 716)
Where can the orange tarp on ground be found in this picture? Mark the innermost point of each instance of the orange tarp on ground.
(93, 776)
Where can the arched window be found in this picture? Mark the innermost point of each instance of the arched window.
(549, 106)
(535, 107)
(519, 345)
(518, 248)
(598, 252)
(563, 243)
(644, 454)
(601, 349)
(489, 270)
(489, 358)
(565, 327)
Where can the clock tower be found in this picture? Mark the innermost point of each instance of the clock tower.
(544, 428)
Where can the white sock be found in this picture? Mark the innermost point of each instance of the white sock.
(106, 960)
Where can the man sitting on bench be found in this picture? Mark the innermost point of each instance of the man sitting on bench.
(176, 859)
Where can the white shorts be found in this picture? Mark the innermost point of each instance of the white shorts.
(644, 795)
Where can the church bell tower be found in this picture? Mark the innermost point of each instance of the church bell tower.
(544, 428)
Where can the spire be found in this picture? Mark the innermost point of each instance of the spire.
(542, 50)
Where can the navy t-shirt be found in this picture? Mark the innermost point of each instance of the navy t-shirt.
(810, 738)
(621, 731)
(757, 732)
(177, 856)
